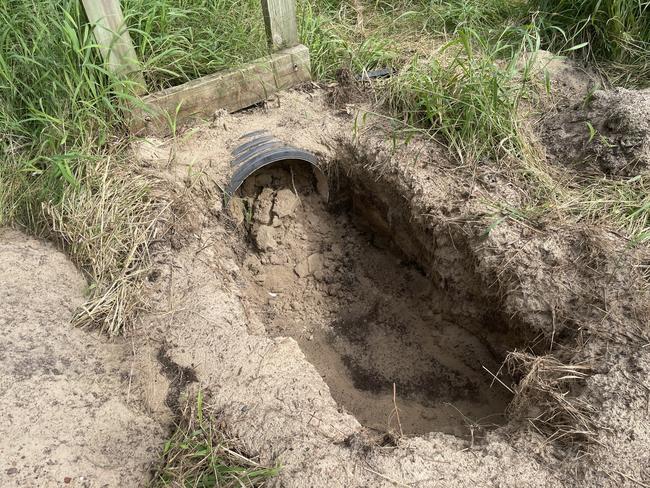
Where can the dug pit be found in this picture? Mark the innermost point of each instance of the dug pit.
(396, 351)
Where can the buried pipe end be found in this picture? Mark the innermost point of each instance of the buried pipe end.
(260, 149)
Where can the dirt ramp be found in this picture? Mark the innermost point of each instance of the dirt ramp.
(68, 416)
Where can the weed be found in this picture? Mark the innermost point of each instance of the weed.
(200, 454)
(614, 34)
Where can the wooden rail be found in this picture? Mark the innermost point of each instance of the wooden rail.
(231, 90)
(287, 65)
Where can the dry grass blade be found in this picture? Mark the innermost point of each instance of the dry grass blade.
(106, 226)
(544, 397)
(201, 454)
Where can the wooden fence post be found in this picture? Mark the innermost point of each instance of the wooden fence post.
(280, 22)
(114, 40)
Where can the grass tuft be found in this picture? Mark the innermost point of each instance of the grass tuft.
(200, 454)
(106, 225)
(545, 397)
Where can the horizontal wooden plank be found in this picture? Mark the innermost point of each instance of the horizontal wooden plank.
(231, 90)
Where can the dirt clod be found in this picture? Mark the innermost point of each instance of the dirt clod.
(285, 203)
(265, 238)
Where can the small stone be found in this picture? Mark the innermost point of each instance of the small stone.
(263, 206)
(276, 221)
(12, 471)
(302, 269)
(265, 238)
(285, 203)
(316, 263)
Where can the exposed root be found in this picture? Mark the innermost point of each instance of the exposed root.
(545, 397)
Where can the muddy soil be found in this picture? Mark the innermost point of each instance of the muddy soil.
(70, 413)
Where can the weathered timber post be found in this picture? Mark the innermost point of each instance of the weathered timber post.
(114, 41)
(280, 22)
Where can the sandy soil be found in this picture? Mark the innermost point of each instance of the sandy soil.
(367, 318)
(68, 416)
(299, 324)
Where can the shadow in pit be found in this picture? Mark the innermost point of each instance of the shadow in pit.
(365, 314)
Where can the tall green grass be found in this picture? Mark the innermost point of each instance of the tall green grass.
(468, 95)
(612, 33)
(446, 17)
(57, 102)
(331, 32)
(182, 40)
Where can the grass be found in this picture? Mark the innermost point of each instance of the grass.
(613, 34)
(467, 96)
(63, 175)
(543, 389)
(181, 41)
(199, 455)
(625, 203)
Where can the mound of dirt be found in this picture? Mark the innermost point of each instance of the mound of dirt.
(68, 415)
(609, 131)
